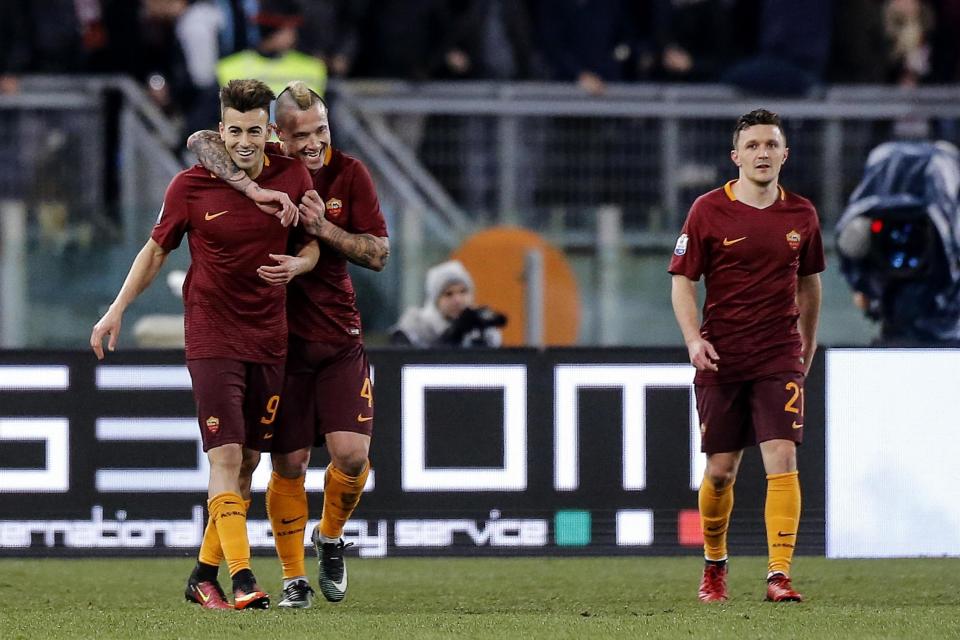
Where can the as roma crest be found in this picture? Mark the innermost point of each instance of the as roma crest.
(213, 424)
(333, 207)
(793, 239)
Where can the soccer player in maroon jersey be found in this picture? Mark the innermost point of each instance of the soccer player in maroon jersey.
(235, 321)
(328, 394)
(759, 249)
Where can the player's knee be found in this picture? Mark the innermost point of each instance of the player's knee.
(721, 478)
(228, 457)
(291, 465)
(350, 462)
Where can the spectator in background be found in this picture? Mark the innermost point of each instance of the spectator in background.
(587, 41)
(198, 31)
(794, 48)
(491, 40)
(591, 43)
(330, 32)
(158, 57)
(12, 53)
(56, 36)
(276, 60)
(909, 26)
(448, 317)
(692, 39)
(239, 30)
(946, 48)
(859, 39)
(405, 39)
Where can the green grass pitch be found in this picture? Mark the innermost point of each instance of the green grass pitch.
(499, 598)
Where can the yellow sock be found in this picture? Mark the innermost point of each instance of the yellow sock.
(341, 494)
(287, 510)
(210, 550)
(715, 508)
(228, 512)
(782, 515)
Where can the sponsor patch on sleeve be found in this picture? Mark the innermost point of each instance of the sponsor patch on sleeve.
(681, 247)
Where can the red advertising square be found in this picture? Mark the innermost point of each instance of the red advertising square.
(689, 533)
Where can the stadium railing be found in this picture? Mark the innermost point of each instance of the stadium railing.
(93, 155)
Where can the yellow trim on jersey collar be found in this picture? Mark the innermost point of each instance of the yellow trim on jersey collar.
(266, 159)
(728, 189)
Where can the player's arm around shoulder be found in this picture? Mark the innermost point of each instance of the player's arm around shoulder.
(363, 249)
(212, 155)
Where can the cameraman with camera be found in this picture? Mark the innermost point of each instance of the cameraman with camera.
(899, 243)
(448, 317)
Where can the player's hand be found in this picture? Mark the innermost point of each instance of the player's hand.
(312, 212)
(702, 355)
(109, 325)
(286, 269)
(275, 203)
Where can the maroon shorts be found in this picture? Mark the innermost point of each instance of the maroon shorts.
(237, 402)
(327, 388)
(737, 415)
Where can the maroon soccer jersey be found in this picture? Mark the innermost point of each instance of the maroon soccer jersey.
(751, 259)
(322, 305)
(230, 312)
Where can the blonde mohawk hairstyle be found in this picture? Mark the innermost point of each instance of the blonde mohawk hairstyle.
(299, 94)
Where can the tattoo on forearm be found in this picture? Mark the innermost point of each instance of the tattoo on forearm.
(209, 149)
(363, 249)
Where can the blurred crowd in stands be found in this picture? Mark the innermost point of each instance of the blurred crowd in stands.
(785, 47)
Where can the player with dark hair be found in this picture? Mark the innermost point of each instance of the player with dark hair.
(235, 322)
(759, 248)
(328, 394)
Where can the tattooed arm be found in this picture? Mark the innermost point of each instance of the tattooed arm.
(361, 249)
(209, 149)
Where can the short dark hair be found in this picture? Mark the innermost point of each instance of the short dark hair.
(757, 116)
(245, 95)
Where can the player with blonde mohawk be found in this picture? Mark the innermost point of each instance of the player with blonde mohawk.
(328, 393)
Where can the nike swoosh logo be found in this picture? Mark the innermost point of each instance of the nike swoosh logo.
(248, 596)
(267, 436)
(797, 426)
(212, 216)
(202, 595)
(727, 243)
(785, 534)
(291, 521)
(361, 418)
(342, 585)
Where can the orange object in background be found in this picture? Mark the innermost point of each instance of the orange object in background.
(495, 259)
